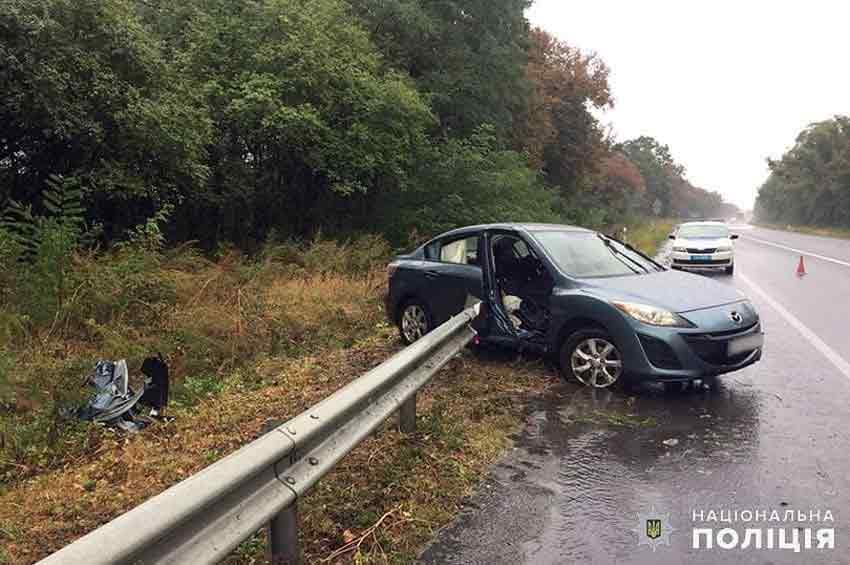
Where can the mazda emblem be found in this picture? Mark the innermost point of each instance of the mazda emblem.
(737, 318)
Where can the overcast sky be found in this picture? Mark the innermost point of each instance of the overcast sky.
(725, 84)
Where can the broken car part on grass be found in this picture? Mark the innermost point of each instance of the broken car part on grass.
(116, 403)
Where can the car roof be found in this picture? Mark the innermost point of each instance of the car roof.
(530, 227)
(704, 223)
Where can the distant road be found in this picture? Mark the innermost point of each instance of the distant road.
(826, 248)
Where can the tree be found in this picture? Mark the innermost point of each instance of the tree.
(620, 187)
(467, 56)
(476, 182)
(309, 126)
(561, 136)
(87, 94)
(657, 167)
(810, 184)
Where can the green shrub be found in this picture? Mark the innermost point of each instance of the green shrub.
(195, 389)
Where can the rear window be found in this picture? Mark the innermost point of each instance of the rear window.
(586, 255)
(462, 251)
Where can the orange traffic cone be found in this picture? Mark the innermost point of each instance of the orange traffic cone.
(801, 268)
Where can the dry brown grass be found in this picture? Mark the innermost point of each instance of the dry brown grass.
(211, 319)
(247, 341)
(408, 485)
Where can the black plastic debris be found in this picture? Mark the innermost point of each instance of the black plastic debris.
(156, 385)
(116, 403)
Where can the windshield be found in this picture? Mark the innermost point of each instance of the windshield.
(587, 254)
(706, 231)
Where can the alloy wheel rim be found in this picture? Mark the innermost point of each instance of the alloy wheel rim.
(596, 362)
(414, 322)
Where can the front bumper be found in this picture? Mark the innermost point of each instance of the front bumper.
(675, 354)
(702, 260)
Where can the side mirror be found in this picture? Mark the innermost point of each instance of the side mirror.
(733, 236)
(671, 236)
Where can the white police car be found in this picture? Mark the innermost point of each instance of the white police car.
(703, 245)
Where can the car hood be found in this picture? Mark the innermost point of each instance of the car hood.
(676, 291)
(701, 242)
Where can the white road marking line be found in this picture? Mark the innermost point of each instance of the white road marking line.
(800, 251)
(811, 336)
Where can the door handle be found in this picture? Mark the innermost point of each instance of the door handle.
(432, 274)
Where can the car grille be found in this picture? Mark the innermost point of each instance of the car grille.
(701, 261)
(744, 330)
(694, 250)
(659, 353)
(711, 347)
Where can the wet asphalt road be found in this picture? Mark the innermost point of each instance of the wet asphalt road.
(774, 436)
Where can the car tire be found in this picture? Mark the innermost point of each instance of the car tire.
(414, 321)
(730, 269)
(594, 349)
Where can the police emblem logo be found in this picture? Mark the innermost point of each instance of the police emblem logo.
(653, 529)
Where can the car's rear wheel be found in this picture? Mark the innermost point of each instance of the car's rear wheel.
(414, 321)
(591, 357)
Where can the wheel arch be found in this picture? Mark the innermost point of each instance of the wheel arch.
(573, 325)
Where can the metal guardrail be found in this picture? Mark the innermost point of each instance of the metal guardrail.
(203, 518)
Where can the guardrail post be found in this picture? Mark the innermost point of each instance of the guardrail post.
(407, 415)
(283, 547)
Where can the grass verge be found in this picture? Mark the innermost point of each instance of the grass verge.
(646, 236)
(380, 504)
(211, 319)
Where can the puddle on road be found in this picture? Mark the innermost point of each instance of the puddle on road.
(635, 426)
(609, 452)
(588, 462)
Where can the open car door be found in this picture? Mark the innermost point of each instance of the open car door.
(496, 325)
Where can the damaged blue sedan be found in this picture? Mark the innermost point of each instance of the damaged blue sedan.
(607, 313)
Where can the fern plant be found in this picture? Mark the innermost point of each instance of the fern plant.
(62, 199)
(19, 229)
(46, 243)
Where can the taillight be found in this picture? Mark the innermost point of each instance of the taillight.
(391, 269)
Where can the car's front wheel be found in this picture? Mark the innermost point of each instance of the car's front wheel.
(730, 269)
(414, 321)
(591, 357)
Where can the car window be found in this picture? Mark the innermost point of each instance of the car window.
(706, 231)
(583, 254)
(462, 251)
(521, 249)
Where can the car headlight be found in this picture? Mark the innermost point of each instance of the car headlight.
(652, 315)
(748, 306)
(725, 248)
(680, 249)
